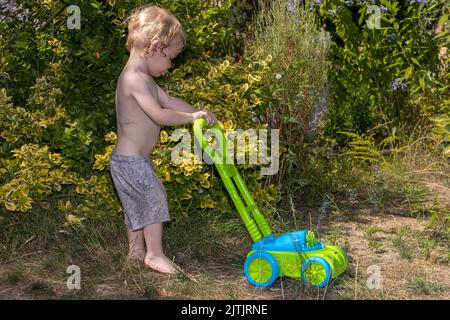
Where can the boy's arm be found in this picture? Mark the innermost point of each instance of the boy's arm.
(169, 102)
(161, 116)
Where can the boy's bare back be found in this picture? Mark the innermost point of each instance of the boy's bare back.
(136, 132)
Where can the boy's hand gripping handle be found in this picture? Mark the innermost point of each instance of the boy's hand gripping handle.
(220, 157)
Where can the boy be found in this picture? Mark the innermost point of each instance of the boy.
(155, 37)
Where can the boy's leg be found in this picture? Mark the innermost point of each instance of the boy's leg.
(136, 244)
(155, 258)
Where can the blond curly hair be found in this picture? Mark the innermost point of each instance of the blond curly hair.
(150, 24)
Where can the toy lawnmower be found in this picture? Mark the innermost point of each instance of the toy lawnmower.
(295, 254)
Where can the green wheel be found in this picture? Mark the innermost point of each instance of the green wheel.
(261, 269)
(316, 271)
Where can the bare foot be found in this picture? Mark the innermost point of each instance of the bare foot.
(160, 264)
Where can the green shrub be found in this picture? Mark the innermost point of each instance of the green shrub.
(299, 70)
(389, 75)
(58, 129)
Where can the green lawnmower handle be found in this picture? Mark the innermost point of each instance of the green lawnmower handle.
(253, 219)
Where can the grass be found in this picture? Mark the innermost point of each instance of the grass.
(427, 245)
(151, 292)
(375, 244)
(420, 244)
(371, 231)
(15, 276)
(40, 288)
(425, 286)
(369, 234)
(402, 246)
(337, 237)
(100, 249)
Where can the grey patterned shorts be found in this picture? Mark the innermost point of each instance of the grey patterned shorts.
(143, 197)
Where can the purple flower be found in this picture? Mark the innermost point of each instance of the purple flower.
(391, 38)
(411, 2)
(8, 6)
(314, 4)
(292, 6)
(333, 12)
(395, 84)
(383, 9)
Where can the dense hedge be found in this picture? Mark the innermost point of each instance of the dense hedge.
(57, 104)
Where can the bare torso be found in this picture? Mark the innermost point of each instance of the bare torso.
(137, 134)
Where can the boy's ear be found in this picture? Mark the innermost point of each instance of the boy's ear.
(156, 47)
(152, 49)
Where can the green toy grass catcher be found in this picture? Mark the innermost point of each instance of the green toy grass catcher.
(295, 254)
